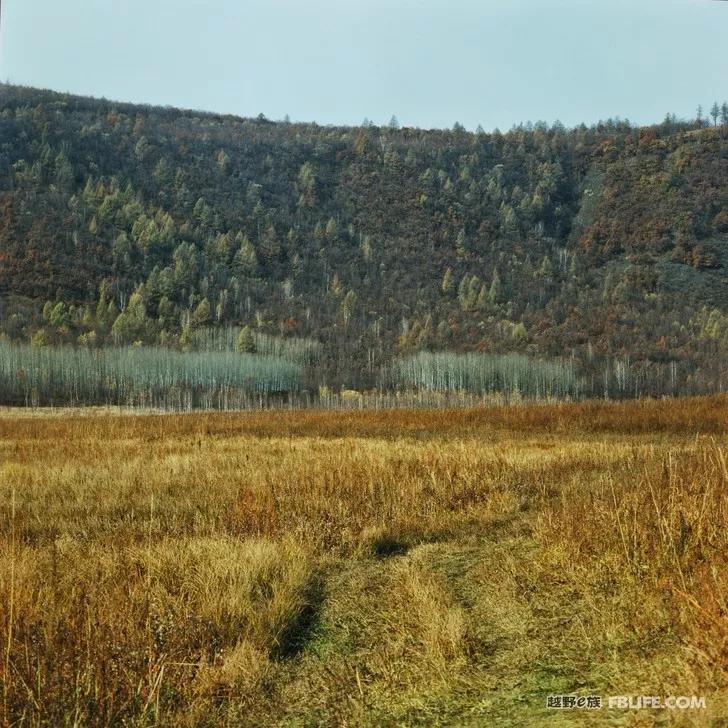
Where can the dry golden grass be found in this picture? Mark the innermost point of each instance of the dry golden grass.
(363, 568)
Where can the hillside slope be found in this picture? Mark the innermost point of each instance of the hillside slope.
(130, 223)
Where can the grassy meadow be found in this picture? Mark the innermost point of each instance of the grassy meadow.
(363, 568)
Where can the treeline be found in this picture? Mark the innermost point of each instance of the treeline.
(246, 340)
(131, 225)
(162, 378)
(521, 376)
(143, 377)
(484, 374)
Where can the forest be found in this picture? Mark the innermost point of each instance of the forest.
(588, 261)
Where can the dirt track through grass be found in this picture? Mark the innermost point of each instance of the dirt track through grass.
(368, 568)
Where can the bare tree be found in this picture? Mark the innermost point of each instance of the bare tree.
(715, 113)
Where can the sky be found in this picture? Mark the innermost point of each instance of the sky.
(429, 62)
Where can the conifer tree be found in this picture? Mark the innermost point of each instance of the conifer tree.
(246, 341)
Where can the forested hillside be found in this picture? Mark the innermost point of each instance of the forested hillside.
(605, 246)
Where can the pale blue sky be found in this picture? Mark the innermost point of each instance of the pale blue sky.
(430, 62)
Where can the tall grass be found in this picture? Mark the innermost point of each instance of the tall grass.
(362, 568)
(152, 377)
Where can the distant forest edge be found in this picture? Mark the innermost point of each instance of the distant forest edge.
(163, 378)
(173, 258)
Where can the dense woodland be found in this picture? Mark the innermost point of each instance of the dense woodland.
(600, 251)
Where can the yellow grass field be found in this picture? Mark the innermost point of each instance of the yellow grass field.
(363, 568)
